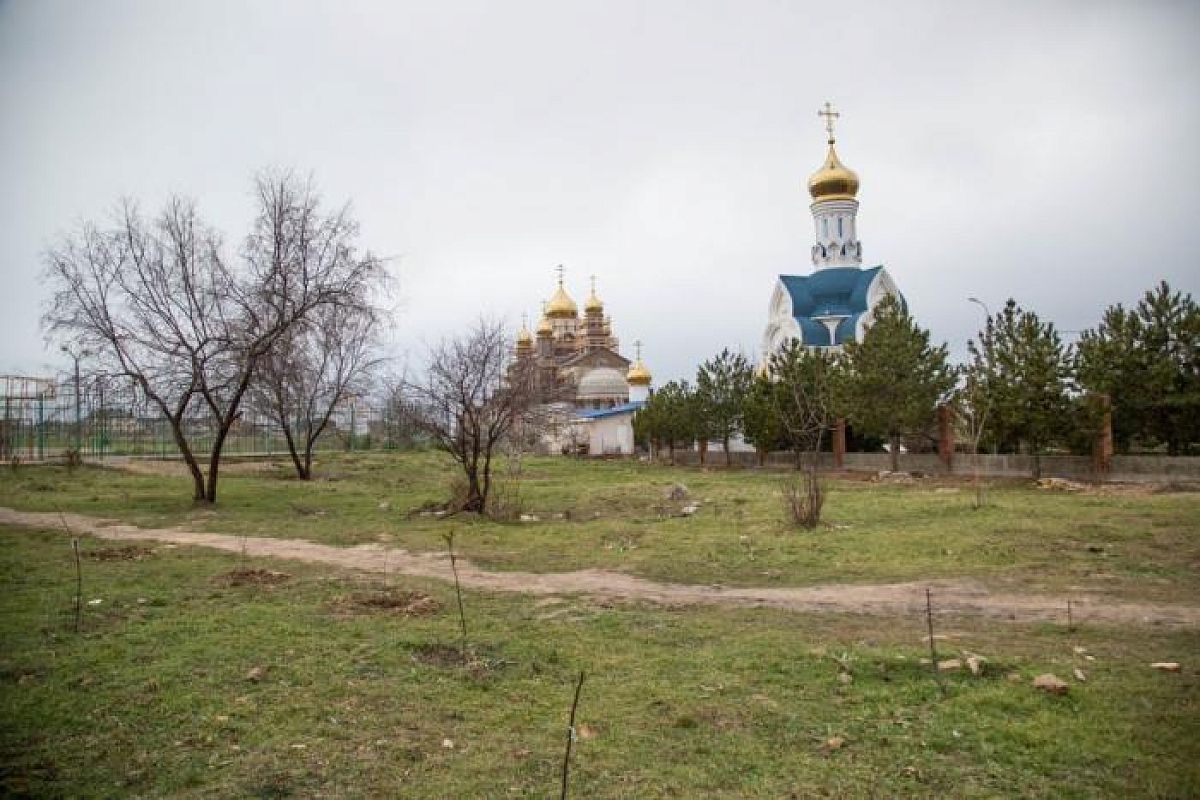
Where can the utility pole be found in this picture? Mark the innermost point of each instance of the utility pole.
(78, 401)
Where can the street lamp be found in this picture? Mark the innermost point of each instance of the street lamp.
(982, 305)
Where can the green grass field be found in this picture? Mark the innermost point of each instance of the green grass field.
(187, 682)
(157, 696)
(613, 515)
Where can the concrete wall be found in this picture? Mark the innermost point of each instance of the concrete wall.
(1125, 469)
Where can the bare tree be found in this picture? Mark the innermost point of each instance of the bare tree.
(158, 304)
(323, 362)
(473, 396)
(971, 406)
(803, 398)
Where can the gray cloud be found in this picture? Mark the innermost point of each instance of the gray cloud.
(1045, 151)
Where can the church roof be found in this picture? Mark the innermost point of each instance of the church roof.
(601, 413)
(597, 356)
(836, 292)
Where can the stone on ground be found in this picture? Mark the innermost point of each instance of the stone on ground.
(1051, 684)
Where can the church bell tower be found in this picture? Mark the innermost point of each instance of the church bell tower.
(833, 189)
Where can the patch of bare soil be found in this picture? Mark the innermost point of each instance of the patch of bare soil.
(957, 597)
(254, 576)
(392, 601)
(130, 552)
(478, 666)
(439, 655)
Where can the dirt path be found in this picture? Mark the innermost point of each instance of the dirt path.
(953, 596)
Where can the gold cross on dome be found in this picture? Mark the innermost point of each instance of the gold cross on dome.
(593, 277)
(559, 269)
(637, 348)
(830, 115)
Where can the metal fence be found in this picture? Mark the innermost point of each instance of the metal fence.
(43, 418)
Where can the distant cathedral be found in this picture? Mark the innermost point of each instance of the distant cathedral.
(835, 303)
(577, 357)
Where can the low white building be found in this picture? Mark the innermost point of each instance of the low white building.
(607, 431)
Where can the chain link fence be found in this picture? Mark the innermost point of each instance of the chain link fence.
(44, 418)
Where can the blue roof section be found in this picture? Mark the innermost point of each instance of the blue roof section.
(601, 413)
(833, 292)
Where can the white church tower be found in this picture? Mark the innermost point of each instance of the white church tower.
(833, 188)
(833, 304)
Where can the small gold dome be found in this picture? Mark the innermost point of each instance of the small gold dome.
(524, 337)
(834, 180)
(561, 305)
(544, 328)
(593, 304)
(638, 375)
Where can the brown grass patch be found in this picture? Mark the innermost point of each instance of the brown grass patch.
(478, 666)
(130, 552)
(390, 601)
(253, 576)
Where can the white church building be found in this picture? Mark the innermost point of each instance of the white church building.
(834, 303)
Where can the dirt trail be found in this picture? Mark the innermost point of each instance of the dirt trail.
(952, 596)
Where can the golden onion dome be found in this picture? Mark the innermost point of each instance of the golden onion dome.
(638, 375)
(593, 305)
(561, 305)
(544, 328)
(834, 180)
(524, 337)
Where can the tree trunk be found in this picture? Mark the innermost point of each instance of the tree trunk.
(702, 445)
(291, 446)
(762, 456)
(1037, 463)
(474, 500)
(728, 460)
(671, 448)
(214, 467)
(189, 458)
(895, 453)
(486, 489)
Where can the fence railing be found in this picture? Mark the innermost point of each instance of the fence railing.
(106, 420)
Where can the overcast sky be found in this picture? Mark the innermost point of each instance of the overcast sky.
(1047, 151)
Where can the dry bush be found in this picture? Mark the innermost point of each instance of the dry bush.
(72, 458)
(803, 496)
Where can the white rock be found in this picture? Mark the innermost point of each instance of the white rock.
(1050, 683)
